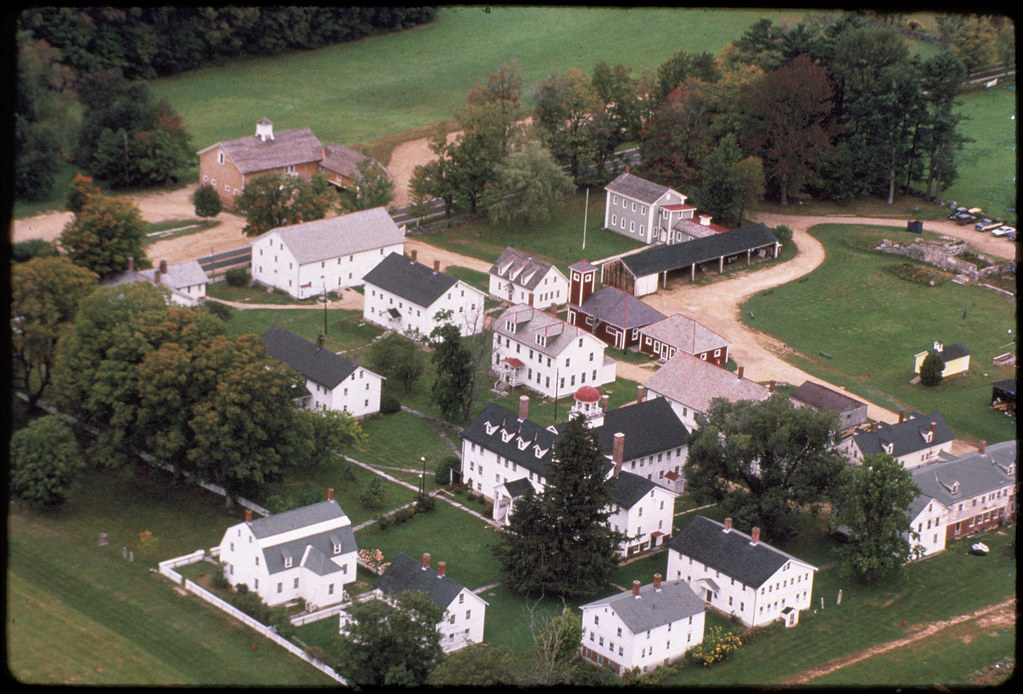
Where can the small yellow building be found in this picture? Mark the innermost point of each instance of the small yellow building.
(956, 357)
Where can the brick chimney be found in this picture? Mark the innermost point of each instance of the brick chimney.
(934, 428)
(618, 451)
(981, 447)
(523, 407)
(248, 515)
(603, 402)
(754, 536)
(131, 265)
(640, 393)
(330, 494)
(412, 255)
(426, 561)
(442, 567)
(163, 266)
(319, 341)
(657, 582)
(770, 387)
(738, 373)
(156, 276)
(728, 525)
(873, 426)
(902, 416)
(436, 266)
(635, 589)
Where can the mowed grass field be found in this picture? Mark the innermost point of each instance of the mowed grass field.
(79, 613)
(872, 323)
(376, 87)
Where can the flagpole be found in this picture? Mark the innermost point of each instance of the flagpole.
(586, 210)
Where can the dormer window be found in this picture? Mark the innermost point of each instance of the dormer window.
(928, 435)
(541, 339)
(888, 447)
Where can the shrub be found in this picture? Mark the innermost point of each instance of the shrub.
(389, 404)
(425, 503)
(207, 201)
(717, 645)
(782, 233)
(449, 470)
(237, 277)
(931, 368)
(384, 522)
(373, 495)
(219, 578)
(221, 311)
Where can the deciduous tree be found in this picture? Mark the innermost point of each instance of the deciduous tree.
(764, 461)
(45, 462)
(389, 644)
(372, 188)
(872, 505)
(398, 359)
(476, 665)
(45, 293)
(104, 235)
(526, 185)
(276, 200)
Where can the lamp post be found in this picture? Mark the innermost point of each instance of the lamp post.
(422, 477)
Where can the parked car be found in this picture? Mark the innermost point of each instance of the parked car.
(1003, 231)
(987, 225)
(963, 219)
(956, 211)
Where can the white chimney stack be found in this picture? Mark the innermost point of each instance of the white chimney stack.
(265, 130)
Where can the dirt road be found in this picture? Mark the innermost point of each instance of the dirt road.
(993, 616)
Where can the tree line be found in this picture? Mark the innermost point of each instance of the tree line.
(834, 107)
(157, 41)
(81, 91)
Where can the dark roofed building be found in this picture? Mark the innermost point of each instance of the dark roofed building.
(733, 570)
(404, 295)
(916, 439)
(645, 271)
(464, 611)
(332, 381)
(612, 315)
(1003, 396)
(851, 412)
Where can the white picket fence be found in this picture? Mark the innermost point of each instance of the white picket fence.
(166, 568)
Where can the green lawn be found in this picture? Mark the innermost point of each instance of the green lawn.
(871, 323)
(79, 613)
(558, 241)
(346, 332)
(369, 89)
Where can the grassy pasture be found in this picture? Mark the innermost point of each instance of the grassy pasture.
(78, 613)
(871, 323)
(358, 92)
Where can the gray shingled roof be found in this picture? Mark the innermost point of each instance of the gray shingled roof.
(906, 437)
(620, 309)
(179, 275)
(635, 187)
(339, 236)
(312, 551)
(521, 268)
(686, 334)
(680, 255)
(319, 365)
(730, 552)
(675, 601)
(695, 382)
(345, 160)
(976, 473)
(288, 147)
(405, 573)
(409, 280)
(295, 519)
(529, 322)
(816, 395)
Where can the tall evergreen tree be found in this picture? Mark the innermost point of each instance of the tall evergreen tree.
(452, 387)
(559, 542)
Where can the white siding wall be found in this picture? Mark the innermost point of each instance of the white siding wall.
(581, 363)
(790, 586)
(464, 302)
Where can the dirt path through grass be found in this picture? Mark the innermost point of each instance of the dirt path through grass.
(999, 615)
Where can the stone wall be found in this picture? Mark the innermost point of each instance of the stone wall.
(943, 255)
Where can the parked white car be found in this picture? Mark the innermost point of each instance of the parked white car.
(1002, 231)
